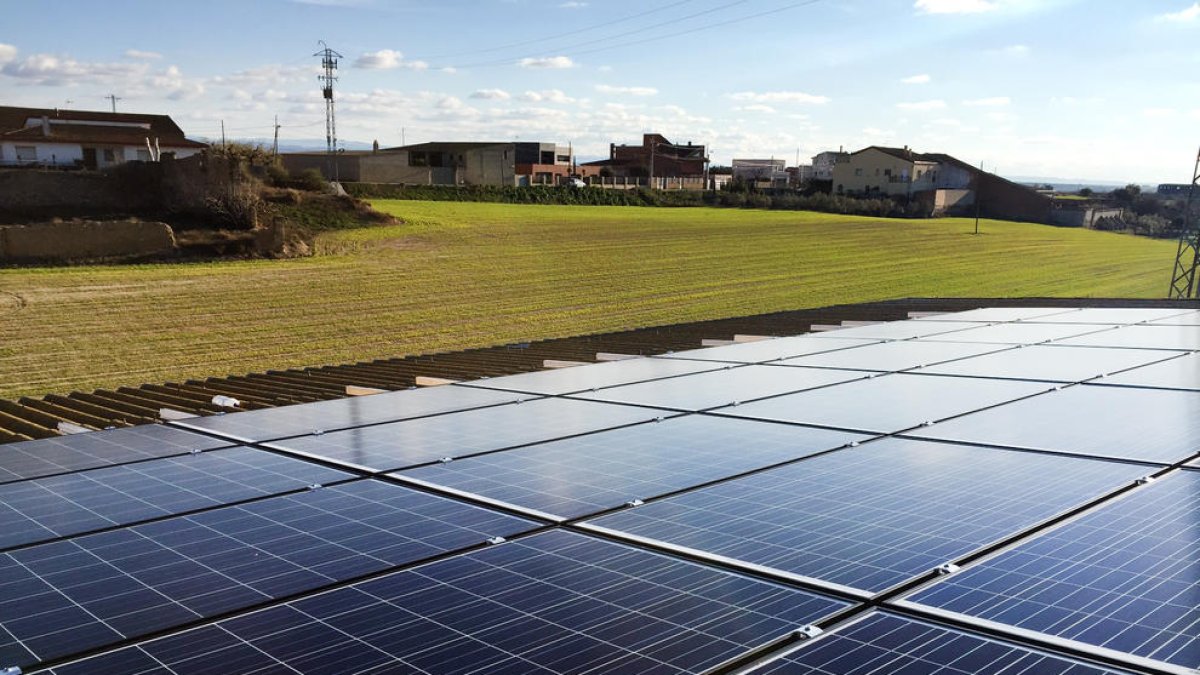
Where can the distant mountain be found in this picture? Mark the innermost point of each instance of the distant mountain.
(295, 145)
(1076, 184)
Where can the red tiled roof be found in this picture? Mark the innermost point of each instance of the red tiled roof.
(162, 127)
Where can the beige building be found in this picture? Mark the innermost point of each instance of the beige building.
(896, 172)
(447, 163)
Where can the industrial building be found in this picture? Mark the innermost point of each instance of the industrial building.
(445, 163)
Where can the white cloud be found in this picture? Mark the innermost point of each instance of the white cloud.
(547, 62)
(573, 4)
(51, 69)
(921, 106)
(139, 54)
(7, 53)
(547, 96)
(779, 97)
(449, 70)
(450, 103)
(1159, 113)
(756, 108)
(916, 79)
(876, 133)
(954, 6)
(387, 59)
(1014, 50)
(605, 69)
(1186, 15)
(631, 91)
(491, 94)
(993, 101)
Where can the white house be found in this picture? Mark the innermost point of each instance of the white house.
(86, 139)
(823, 163)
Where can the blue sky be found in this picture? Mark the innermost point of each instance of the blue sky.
(1096, 89)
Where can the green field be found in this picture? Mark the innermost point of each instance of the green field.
(459, 275)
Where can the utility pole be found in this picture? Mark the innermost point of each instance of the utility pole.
(978, 196)
(402, 141)
(222, 134)
(275, 143)
(329, 61)
(113, 98)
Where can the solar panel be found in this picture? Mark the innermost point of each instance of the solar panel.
(893, 356)
(553, 602)
(1178, 373)
(1052, 363)
(888, 403)
(1186, 319)
(902, 330)
(1020, 333)
(586, 474)
(1150, 425)
(594, 375)
(343, 413)
(1145, 337)
(882, 643)
(769, 350)
(1122, 577)
(399, 445)
(722, 387)
(871, 517)
(57, 506)
(999, 314)
(1114, 315)
(49, 456)
(67, 597)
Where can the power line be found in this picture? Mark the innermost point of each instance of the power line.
(697, 29)
(329, 61)
(561, 35)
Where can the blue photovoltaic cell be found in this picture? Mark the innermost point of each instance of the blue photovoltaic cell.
(903, 330)
(1025, 333)
(877, 515)
(892, 356)
(998, 314)
(887, 403)
(1124, 577)
(587, 474)
(1143, 337)
(1051, 363)
(389, 447)
(61, 454)
(66, 597)
(593, 375)
(555, 602)
(344, 413)
(1152, 425)
(887, 644)
(57, 506)
(1113, 315)
(1178, 373)
(769, 350)
(722, 387)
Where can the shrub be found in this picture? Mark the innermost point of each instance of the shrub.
(311, 180)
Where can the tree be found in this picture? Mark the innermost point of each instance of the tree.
(1086, 192)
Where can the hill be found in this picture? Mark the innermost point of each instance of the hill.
(457, 275)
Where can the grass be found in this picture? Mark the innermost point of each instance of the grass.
(457, 275)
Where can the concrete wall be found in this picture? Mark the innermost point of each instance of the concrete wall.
(1082, 217)
(57, 193)
(348, 166)
(85, 239)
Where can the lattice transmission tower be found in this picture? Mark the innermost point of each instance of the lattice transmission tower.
(1187, 259)
(329, 62)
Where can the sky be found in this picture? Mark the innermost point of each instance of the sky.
(1101, 90)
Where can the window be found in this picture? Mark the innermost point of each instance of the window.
(887, 172)
(110, 155)
(858, 172)
(143, 155)
(564, 158)
(26, 153)
(418, 159)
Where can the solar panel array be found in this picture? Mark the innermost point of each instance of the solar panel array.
(1003, 490)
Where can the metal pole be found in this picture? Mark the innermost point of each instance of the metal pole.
(978, 196)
